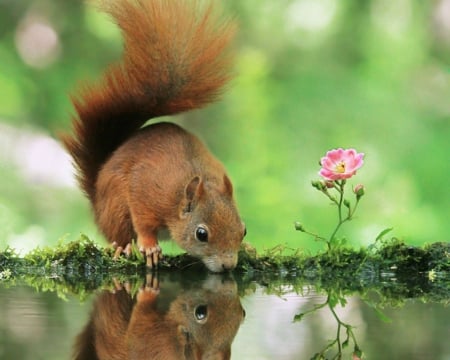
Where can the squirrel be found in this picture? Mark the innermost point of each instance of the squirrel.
(144, 179)
(197, 321)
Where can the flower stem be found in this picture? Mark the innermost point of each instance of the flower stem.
(340, 189)
(351, 212)
(348, 328)
(316, 237)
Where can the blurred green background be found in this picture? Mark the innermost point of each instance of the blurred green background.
(311, 75)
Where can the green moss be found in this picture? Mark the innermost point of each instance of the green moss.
(391, 268)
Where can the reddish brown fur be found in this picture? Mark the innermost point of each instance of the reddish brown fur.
(142, 180)
(119, 328)
(165, 69)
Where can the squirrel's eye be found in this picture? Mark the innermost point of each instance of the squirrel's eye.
(201, 313)
(201, 234)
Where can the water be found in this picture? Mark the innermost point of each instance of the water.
(210, 315)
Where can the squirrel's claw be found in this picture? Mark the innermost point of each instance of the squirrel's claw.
(119, 286)
(152, 283)
(153, 255)
(127, 250)
(150, 291)
(119, 250)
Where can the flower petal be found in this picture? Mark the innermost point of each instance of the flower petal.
(335, 155)
(357, 161)
(328, 175)
(327, 163)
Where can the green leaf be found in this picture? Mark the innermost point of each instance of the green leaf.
(380, 315)
(384, 232)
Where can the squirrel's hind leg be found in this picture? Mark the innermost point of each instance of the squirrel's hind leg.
(119, 250)
(148, 246)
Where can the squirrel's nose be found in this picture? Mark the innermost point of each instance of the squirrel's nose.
(228, 267)
(229, 261)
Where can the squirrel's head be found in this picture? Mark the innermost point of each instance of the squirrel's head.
(209, 226)
(207, 318)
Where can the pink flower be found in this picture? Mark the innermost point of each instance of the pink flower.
(340, 164)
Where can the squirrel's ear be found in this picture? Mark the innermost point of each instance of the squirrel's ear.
(183, 335)
(192, 193)
(228, 185)
(186, 341)
(194, 189)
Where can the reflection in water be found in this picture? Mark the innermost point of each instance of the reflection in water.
(338, 343)
(39, 325)
(165, 319)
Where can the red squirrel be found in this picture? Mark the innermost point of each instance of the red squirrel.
(143, 179)
(176, 322)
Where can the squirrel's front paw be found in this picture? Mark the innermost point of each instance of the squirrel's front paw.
(153, 255)
(148, 245)
(150, 291)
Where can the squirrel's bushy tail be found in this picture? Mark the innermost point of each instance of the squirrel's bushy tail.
(175, 59)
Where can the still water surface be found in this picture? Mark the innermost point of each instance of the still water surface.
(215, 315)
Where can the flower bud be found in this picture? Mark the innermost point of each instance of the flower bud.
(359, 191)
(357, 354)
(319, 185)
(347, 203)
(299, 226)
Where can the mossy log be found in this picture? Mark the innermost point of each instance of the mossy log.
(82, 266)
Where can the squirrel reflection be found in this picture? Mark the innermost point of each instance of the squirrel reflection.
(195, 320)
